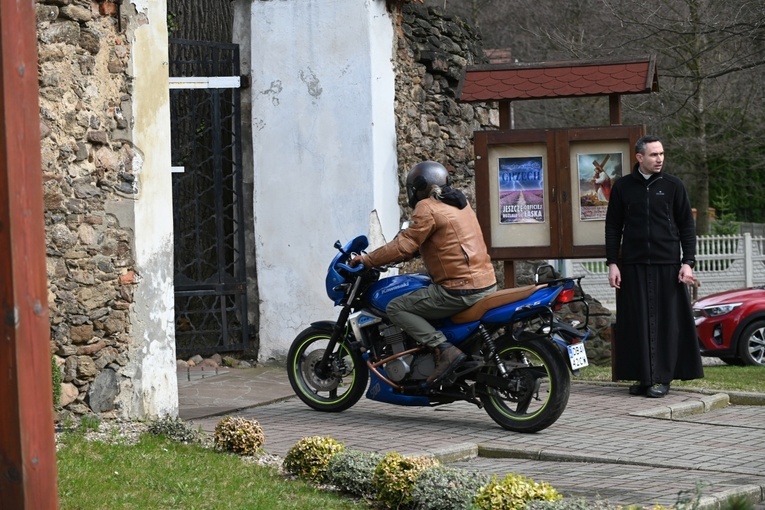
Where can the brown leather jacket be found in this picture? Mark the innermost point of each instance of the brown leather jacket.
(450, 242)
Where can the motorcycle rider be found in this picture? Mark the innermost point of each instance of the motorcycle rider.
(445, 231)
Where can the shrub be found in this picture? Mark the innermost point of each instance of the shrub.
(395, 476)
(353, 471)
(513, 492)
(447, 488)
(56, 372)
(174, 429)
(238, 435)
(310, 457)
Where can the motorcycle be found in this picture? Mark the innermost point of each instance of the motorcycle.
(519, 354)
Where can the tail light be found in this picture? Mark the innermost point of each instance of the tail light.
(566, 296)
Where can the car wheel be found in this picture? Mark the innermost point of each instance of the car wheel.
(751, 344)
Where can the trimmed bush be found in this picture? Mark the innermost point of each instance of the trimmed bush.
(513, 492)
(395, 476)
(174, 429)
(447, 488)
(310, 457)
(238, 435)
(353, 471)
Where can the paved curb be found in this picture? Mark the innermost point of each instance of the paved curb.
(675, 411)
(457, 453)
(501, 452)
(737, 398)
(753, 494)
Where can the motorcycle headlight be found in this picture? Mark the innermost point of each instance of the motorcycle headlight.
(717, 310)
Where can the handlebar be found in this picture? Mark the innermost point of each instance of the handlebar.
(351, 269)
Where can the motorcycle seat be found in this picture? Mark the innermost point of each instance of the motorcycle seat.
(494, 300)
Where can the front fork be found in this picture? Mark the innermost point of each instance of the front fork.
(324, 366)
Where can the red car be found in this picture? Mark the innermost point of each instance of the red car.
(731, 326)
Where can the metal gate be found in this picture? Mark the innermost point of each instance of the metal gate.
(210, 279)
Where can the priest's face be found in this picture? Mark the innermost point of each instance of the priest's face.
(652, 158)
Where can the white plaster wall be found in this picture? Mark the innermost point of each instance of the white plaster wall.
(324, 149)
(151, 389)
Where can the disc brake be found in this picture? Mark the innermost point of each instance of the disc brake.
(339, 368)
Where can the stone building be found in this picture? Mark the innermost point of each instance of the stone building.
(344, 97)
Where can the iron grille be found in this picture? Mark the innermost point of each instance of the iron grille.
(210, 278)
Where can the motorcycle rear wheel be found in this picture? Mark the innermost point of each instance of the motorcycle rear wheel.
(541, 384)
(341, 388)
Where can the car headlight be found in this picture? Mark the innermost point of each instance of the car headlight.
(717, 310)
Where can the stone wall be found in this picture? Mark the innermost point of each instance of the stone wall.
(87, 165)
(432, 52)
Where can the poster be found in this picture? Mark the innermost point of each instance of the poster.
(597, 173)
(521, 190)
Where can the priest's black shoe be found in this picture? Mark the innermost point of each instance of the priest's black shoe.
(639, 389)
(657, 390)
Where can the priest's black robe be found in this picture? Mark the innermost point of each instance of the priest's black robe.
(656, 340)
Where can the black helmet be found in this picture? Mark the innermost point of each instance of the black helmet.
(421, 179)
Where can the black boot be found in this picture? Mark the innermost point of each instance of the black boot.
(447, 358)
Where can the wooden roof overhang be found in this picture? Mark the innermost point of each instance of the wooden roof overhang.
(547, 80)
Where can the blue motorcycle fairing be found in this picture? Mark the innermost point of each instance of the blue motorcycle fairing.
(381, 391)
(357, 245)
(456, 333)
(381, 292)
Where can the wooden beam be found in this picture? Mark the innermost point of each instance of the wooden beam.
(27, 441)
(615, 109)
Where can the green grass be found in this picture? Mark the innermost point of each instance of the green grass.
(157, 473)
(723, 378)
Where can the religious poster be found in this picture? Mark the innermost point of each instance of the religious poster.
(597, 173)
(521, 190)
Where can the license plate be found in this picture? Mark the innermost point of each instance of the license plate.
(577, 356)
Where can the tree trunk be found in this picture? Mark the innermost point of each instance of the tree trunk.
(700, 128)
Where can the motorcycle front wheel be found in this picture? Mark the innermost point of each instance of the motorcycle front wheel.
(536, 391)
(338, 389)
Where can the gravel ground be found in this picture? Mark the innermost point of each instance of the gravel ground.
(128, 432)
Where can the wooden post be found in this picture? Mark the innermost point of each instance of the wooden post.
(505, 115)
(509, 266)
(615, 109)
(27, 445)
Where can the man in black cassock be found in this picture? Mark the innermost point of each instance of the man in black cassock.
(649, 217)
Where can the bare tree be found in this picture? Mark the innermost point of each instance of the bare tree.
(711, 62)
(710, 51)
